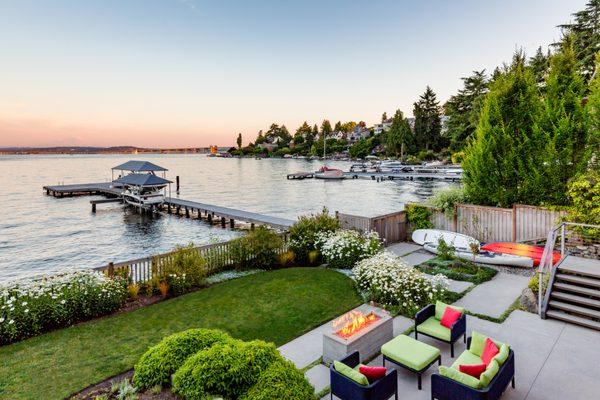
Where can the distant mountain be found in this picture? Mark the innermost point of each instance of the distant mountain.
(97, 150)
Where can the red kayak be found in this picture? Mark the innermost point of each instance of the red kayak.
(520, 249)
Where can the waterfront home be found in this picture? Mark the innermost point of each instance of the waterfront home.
(359, 132)
(382, 127)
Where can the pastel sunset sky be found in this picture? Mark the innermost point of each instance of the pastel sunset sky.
(173, 73)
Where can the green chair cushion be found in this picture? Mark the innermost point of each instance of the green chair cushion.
(466, 358)
(460, 377)
(409, 352)
(478, 343)
(350, 373)
(432, 327)
(489, 374)
(502, 356)
(440, 307)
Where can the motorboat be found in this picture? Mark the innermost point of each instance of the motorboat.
(329, 173)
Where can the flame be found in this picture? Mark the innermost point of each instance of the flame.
(353, 321)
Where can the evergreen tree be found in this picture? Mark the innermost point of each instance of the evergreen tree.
(259, 138)
(428, 125)
(593, 111)
(303, 129)
(586, 36)
(399, 136)
(463, 109)
(502, 165)
(384, 117)
(565, 122)
(539, 64)
(239, 141)
(325, 128)
(338, 126)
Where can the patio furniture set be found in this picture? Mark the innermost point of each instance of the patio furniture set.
(482, 372)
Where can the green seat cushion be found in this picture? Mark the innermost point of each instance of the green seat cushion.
(466, 358)
(410, 352)
(478, 343)
(458, 376)
(489, 374)
(432, 327)
(502, 356)
(350, 373)
(440, 307)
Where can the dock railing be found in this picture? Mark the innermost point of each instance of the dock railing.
(218, 257)
(569, 238)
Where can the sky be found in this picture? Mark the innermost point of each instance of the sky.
(190, 73)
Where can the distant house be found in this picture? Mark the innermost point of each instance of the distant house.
(338, 135)
(359, 132)
(382, 127)
(268, 146)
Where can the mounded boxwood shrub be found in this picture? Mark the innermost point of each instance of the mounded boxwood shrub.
(282, 380)
(226, 369)
(157, 365)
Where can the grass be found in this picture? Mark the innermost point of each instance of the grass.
(274, 306)
(458, 270)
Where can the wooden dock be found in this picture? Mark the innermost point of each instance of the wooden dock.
(301, 175)
(386, 176)
(188, 208)
(225, 214)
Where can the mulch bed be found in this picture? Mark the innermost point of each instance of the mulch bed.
(104, 388)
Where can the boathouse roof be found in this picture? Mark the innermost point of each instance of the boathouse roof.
(139, 166)
(142, 180)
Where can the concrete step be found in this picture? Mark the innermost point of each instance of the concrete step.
(583, 311)
(580, 280)
(566, 287)
(574, 319)
(581, 300)
(580, 266)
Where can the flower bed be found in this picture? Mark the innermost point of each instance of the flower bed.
(389, 281)
(458, 270)
(344, 248)
(31, 307)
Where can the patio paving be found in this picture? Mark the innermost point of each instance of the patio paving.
(318, 376)
(494, 297)
(403, 248)
(417, 257)
(553, 360)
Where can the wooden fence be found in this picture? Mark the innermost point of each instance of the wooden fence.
(218, 257)
(390, 227)
(520, 223)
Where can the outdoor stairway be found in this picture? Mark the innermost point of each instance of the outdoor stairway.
(575, 294)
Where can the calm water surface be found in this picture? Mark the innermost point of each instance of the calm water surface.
(39, 233)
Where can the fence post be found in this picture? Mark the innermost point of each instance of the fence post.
(562, 240)
(111, 269)
(455, 219)
(514, 222)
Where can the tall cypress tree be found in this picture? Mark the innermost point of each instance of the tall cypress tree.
(502, 165)
(565, 121)
(398, 139)
(428, 125)
(539, 64)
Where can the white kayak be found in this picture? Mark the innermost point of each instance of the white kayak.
(485, 257)
(422, 236)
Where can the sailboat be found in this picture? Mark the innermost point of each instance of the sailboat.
(325, 172)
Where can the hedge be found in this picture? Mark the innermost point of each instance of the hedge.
(282, 380)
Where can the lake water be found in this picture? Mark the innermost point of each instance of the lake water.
(39, 233)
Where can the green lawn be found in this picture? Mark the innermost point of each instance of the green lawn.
(274, 306)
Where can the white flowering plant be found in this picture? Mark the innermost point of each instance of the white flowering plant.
(391, 282)
(344, 248)
(29, 307)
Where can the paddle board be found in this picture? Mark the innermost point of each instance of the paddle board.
(520, 249)
(422, 236)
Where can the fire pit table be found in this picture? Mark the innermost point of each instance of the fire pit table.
(364, 329)
(411, 354)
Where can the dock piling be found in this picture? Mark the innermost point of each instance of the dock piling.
(177, 183)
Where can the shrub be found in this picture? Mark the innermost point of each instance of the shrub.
(534, 282)
(159, 362)
(458, 270)
(32, 306)
(391, 282)
(257, 249)
(282, 380)
(184, 262)
(584, 194)
(303, 234)
(134, 290)
(418, 216)
(445, 251)
(226, 369)
(344, 248)
(445, 200)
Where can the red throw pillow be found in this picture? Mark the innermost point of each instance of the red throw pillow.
(489, 351)
(473, 370)
(372, 373)
(450, 317)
